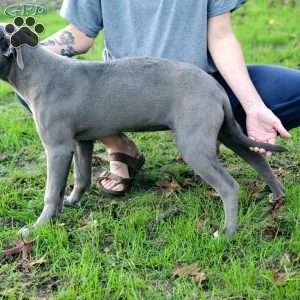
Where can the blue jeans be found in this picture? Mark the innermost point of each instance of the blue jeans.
(278, 87)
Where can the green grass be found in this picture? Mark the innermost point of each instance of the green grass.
(105, 250)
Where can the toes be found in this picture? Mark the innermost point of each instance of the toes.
(119, 188)
(111, 185)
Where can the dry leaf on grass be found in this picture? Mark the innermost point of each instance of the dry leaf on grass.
(192, 181)
(189, 271)
(281, 277)
(23, 247)
(254, 187)
(276, 205)
(270, 231)
(200, 225)
(29, 264)
(18, 248)
(97, 161)
(169, 185)
(273, 231)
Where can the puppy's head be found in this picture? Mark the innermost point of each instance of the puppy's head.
(7, 52)
(4, 42)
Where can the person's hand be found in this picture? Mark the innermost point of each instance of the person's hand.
(264, 126)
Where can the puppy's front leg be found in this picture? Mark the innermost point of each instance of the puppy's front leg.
(58, 165)
(82, 172)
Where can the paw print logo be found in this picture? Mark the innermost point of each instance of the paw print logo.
(25, 33)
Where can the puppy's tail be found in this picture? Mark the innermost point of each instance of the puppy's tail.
(233, 129)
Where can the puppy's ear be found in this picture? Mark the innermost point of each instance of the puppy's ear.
(19, 56)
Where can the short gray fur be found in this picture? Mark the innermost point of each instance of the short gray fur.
(75, 103)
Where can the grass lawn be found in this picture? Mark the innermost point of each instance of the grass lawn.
(136, 248)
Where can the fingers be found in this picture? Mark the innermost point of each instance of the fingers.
(281, 130)
(262, 151)
(256, 149)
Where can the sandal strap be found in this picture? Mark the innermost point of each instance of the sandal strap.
(134, 163)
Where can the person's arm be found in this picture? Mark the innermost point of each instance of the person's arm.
(68, 42)
(225, 50)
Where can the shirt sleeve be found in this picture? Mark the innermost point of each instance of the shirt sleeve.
(86, 15)
(219, 7)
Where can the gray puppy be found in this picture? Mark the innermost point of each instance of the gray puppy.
(75, 103)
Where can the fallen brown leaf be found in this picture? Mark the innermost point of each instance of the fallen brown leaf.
(281, 277)
(200, 225)
(192, 181)
(97, 161)
(272, 231)
(29, 264)
(276, 205)
(19, 247)
(193, 271)
(254, 187)
(169, 185)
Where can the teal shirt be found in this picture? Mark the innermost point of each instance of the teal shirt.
(173, 29)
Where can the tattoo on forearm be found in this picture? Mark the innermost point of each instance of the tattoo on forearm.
(65, 40)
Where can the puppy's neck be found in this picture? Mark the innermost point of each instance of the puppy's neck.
(24, 78)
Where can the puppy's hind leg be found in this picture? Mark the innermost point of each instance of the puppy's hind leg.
(199, 151)
(82, 172)
(259, 163)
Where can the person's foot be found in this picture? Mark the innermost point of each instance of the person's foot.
(120, 169)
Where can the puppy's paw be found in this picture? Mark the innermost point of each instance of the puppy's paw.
(216, 234)
(69, 203)
(229, 232)
(26, 232)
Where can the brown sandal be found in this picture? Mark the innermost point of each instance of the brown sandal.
(134, 165)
